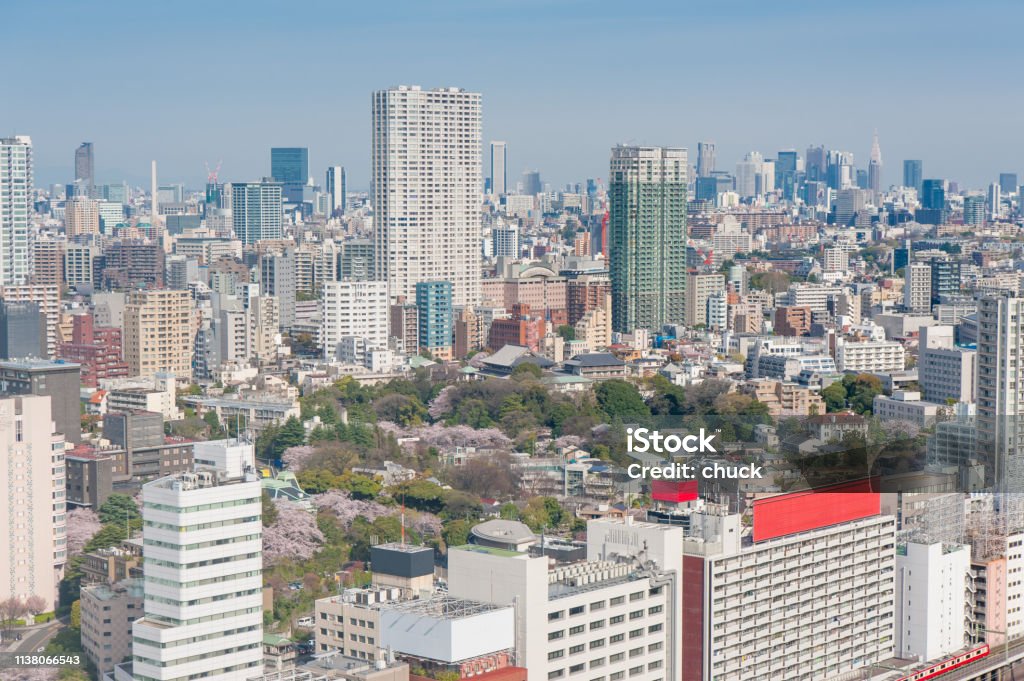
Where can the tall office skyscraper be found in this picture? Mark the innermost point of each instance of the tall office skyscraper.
(336, 189)
(32, 515)
(875, 168)
(995, 201)
(912, 174)
(290, 164)
(705, 158)
(290, 167)
(499, 168)
(647, 237)
(427, 181)
(1008, 183)
(531, 183)
(203, 614)
(816, 164)
(256, 210)
(933, 194)
(785, 173)
(1000, 419)
(15, 207)
(85, 167)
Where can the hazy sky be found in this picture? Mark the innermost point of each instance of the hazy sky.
(188, 82)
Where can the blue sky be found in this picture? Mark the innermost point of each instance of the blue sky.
(562, 82)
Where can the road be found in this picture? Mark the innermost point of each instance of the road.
(33, 638)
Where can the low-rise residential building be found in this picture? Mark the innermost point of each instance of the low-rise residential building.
(108, 611)
(870, 356)
(906, 405)
(784, 398)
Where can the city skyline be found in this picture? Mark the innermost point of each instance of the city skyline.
(966, 143)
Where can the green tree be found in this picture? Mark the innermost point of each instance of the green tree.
(118, 508)
(567, 332)
(620, 400)
(834, 396)
(527, 369)
(213, 422)
(269, 510)
(456, 532)
(110, 535)
(292, 434)
(76, 615)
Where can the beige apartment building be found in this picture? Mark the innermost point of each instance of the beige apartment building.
(32, 519)
(158, 333)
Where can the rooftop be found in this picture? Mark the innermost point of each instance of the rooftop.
(31, 364)
(504, 531)
(443, 607)
(476, 548)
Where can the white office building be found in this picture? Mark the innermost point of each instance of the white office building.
(610, 616)
(931, 599)
(784, 604)
(814, 296)
(427, 189)
(15, 207)
(355, 309)
(944, 370)
(202, 545)
(875, 357)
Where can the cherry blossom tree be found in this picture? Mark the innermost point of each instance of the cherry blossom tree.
(568, 441)
(294, 534)
(442, 404)
(296, 458)
(36, 604)
(444, 437)
(346, 509)
(82, 524)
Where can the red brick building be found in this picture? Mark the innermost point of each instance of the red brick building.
(96, 348)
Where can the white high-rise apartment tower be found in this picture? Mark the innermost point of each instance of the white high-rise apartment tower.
(202, 540)
(32, 517)
(427, 189)
(917, 287)
(354, 308)
(15, 207)
(1000, 378)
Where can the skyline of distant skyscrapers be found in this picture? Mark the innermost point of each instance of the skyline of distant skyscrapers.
(427, 189)
(647, 239)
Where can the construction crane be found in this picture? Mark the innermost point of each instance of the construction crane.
(211, 175)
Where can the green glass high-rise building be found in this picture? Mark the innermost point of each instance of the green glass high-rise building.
(647, 237)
